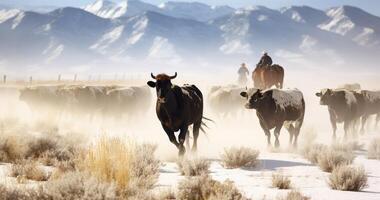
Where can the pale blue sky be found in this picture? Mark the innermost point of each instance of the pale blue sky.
(372, 6)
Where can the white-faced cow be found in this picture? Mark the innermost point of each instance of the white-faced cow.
(343, 108)
(275, 108)
(177, 108)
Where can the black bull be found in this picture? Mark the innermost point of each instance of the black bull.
(177, 108)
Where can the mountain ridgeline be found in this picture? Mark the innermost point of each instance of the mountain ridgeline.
(178, 33)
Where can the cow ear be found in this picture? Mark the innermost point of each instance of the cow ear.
(244, 94)
(318, 94)
(151, 84)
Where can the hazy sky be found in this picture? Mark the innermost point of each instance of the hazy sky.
(372, 6)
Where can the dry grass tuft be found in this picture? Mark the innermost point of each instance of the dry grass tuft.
(28, 170)
(11, 149)
(312, 152)
(348, 178)
(280, 181)
(205, 188)
(110, 161)
(374, 149)
(331, 159)
(193, 167)
(240, 157)
(294, 195)
(77, 185)
(133, 168)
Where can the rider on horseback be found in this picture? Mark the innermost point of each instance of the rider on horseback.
(265, 60)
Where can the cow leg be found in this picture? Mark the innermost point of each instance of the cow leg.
(277, 134)
(188, 139)
(266, 131)
(363, 121)
(297, 131)
(182, 138)
(196, 128)
(347, 126)
(171, 136)
(291, 131)
(333, 124)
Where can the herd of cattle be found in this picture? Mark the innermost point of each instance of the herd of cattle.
(110, 101)
(177, 107)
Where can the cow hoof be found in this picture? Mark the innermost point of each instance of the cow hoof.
(182, 152)
(277, 144)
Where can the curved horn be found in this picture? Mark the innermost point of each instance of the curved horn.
(173, 77)
(151, 74)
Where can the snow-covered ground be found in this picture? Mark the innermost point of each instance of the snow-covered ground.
(305, 177)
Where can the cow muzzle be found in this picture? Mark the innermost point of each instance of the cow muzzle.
(248, 106)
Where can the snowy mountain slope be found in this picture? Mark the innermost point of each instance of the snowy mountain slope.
(6, 13)
(195, 10)
(354, 23)
(306, 14)
(109, 9)
(188, 10)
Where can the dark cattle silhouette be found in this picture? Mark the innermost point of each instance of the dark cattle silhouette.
(177, 108)
(343, 108)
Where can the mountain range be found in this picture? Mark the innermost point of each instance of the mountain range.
(180, 33)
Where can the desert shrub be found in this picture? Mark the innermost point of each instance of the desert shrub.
(330, 159)
(28, 170)
(374, 149)
(348, 178)
(8, 193)
(193, 167)
(132, 167)
(47, 149)
(280, 181)
(294, 195)
(110, 161)
(77, 185)
(11, 149)
(312, 152)
(240, 157)
(205, 188)
(145, 168)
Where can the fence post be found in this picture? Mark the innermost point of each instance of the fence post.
(59, 78)
(31, 80)
(75, 77)
(5, 79)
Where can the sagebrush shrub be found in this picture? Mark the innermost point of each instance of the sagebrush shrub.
(312, 152)
(330, 159)
(28, 170)
(205, 188)
(348, 178)
(294, 195)
(240, 157)
(280, 181)
(193, 167)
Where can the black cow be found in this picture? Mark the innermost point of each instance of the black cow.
(343, 108)
(177, 108)
(275, 108)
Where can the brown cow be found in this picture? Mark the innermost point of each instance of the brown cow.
(266, 77)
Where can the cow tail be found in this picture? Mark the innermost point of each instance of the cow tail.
(203, 124)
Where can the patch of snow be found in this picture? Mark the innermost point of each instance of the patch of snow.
(262, 18)
(53, 51)
(162, 49)
(138, 31)
(364, 38)
(18, 20)
(308, 43)
(108, 38)
(6, 14)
